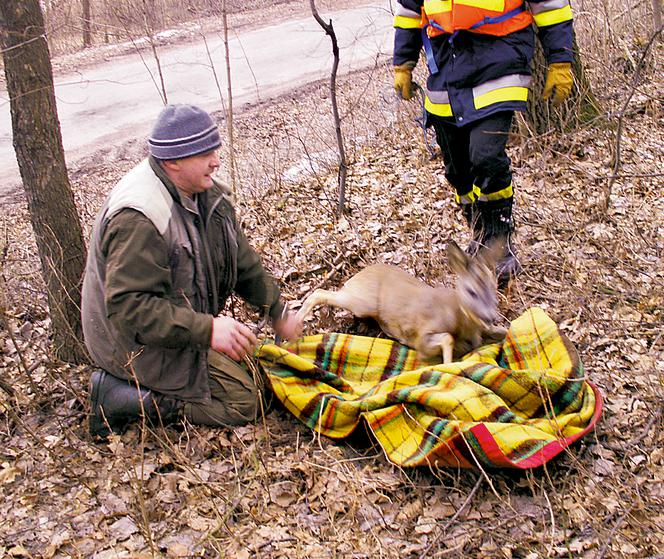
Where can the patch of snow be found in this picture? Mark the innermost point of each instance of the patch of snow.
(309, 165)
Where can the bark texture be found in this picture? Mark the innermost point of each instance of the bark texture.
(38, 144)
(581, 107)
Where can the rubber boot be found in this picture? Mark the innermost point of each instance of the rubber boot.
(497, 223)
(474, 220)
(115, 403)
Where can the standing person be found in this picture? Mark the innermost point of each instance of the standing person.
(165, 253)
(479, 54)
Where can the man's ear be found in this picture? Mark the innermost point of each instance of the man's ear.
(171, 164)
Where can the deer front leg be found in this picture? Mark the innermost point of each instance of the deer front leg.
(318, 297)
(447, 346)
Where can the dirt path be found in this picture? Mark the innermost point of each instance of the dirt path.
(115, 101)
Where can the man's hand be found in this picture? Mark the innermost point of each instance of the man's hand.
(403, 80)
(559, 76)
(232, 338)
(289, 326)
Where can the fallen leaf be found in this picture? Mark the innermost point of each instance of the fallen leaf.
(123, 528)
(8, 473)
(425, 525)
(177, 549)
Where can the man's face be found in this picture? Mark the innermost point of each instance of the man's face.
(193, 174)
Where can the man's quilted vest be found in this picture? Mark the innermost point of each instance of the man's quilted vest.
(181, 372)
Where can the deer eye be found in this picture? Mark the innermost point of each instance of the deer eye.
(472, 293)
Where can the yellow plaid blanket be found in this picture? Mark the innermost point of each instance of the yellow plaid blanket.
(515, 404)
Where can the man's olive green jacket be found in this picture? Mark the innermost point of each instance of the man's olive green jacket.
(157, 272)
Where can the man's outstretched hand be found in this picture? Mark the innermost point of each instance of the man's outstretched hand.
(232, 338)
(289, 326)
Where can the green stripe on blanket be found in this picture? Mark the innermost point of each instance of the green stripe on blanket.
(514, 404)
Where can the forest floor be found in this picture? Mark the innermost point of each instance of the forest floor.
(590, 235)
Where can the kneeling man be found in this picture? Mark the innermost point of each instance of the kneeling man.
(165, 253)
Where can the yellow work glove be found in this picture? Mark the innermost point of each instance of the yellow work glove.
(403, 80)
(559, 76)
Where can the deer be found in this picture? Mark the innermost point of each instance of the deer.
(435, 321)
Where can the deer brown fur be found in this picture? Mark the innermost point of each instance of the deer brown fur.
(436, 321)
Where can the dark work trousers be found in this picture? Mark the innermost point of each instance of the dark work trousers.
(474, 154)
(237, 397)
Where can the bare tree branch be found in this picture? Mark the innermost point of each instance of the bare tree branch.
(343, 165)
(621, 116)
(229, 116)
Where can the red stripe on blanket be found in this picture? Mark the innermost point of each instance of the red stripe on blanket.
(546, 453)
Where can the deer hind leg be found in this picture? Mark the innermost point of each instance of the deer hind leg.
(341, 299)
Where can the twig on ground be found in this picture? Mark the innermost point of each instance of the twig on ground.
(449, 523)
(616, 527)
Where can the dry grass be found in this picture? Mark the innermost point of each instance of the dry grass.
(278, 490)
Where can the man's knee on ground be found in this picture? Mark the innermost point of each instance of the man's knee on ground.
(246, 405)
(239, 407)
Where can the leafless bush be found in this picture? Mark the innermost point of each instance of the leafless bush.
(119, 20)
(612, 36)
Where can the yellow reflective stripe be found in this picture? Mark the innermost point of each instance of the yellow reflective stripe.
(494, 5)
(439, 109)
(405, 22)
(511, 80)
(554, 16)
(437, 6)
(466, 198)
(502, 94)
(505, 193)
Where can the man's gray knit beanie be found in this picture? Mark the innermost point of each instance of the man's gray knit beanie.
(182, 131)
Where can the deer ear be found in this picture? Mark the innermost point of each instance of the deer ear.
(494, 251)
(457, 258)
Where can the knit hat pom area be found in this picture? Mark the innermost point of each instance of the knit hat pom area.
(183, 131)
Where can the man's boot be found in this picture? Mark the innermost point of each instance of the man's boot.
(473, 218)
(497, 223)
(115, 403)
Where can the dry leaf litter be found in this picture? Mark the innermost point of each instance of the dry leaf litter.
(275, 489)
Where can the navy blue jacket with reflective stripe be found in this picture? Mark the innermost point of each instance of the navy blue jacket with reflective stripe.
(473, 60)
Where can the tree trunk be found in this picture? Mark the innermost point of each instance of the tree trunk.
(38, 146)
(581, 106)
(87, 22)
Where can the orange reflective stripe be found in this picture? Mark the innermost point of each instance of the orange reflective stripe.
(455, 15)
